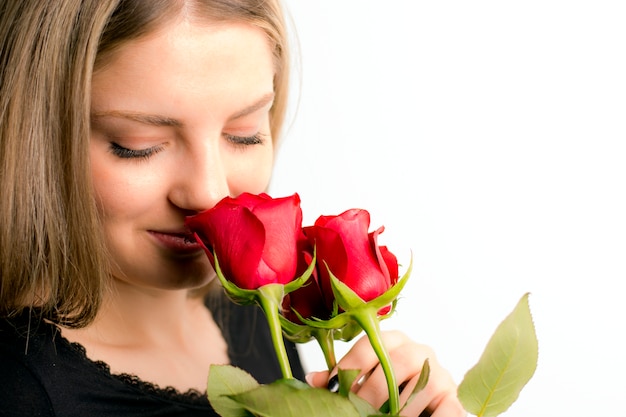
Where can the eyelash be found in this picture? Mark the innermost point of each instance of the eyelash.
(125, 153)
(243, 141)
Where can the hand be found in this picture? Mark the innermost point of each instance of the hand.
(437, 399)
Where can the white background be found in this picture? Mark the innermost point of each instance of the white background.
(488, 137)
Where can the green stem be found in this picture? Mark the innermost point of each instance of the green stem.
(270, 308)
(326, 341)
(369, 322)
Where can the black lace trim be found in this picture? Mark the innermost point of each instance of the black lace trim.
(192, 396)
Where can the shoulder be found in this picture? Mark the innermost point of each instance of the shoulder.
(23, 392)
(45, 371)
(43, 374)
(31, 341)
(24, 338)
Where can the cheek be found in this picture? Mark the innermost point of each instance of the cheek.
(120, 194)
(252, 175)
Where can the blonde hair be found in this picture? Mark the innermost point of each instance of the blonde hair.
(52, 251)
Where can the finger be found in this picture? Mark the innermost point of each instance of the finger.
(440, 392)
(363, 357)
(407, 361)
(449, 407)
(318, 379)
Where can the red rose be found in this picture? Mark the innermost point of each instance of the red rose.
(353, 256)
(254, 238)
(307, 300)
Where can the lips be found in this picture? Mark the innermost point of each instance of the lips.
(177, 242)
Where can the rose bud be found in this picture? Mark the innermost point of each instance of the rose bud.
(344, 246)
(254, 238)
(308, 300)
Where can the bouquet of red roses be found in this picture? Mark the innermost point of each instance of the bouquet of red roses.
(328, 282)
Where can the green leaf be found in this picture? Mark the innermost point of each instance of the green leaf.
(506, 365)
(346, 379)
(364, 408)
(422, 381)
(282, 399)
(226, 380)
(294, 383)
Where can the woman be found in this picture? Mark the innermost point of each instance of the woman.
(119, 118)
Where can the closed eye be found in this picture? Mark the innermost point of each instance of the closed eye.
(243, 141)
(126, 153)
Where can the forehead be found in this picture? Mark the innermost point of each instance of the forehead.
(186, 62)
(152, 20)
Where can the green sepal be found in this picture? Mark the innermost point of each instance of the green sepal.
(295, 332)
(345, 297)
(348, 300)
(389, 296)
(391, 311)
(302, 334)
(302, 279)
(238, 295)
(337, 322)
(243, 296)
(324, 331)
(349, 331)
(343, 325)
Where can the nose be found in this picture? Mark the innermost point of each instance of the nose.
(201, 179)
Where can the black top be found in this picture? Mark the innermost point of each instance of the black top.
(43, 374)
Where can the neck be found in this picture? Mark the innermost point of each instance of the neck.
(166, 337)
(132, 315)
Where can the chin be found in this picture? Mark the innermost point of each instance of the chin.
(190, 278)
(170, 276)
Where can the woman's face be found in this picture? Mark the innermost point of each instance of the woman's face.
(179, 119)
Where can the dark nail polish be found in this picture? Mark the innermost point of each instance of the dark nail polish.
(402, 386)
(333, 384)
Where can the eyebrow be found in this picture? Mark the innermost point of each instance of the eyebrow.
(259, 104)
(158, 120)
(148, 119)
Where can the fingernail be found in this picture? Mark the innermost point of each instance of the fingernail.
(402, 386)
(333, 384)
(309, 379)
